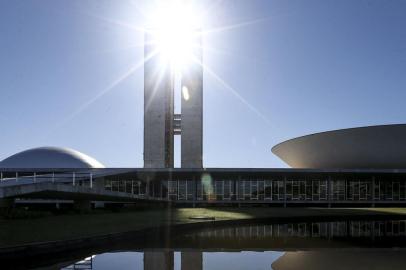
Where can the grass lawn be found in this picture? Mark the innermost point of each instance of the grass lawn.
(62, 227)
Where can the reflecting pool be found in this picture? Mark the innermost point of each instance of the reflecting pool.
(339, 244)
(243, 260)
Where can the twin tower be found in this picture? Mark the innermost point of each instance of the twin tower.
(161, 123)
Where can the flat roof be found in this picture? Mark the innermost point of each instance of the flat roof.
(194, 171)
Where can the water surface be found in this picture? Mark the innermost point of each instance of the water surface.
(340, 244)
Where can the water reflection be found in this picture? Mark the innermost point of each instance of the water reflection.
(351, 244)
(337, 229)
(342, 259)
(304, 235)
(312, 260)
(188, 260)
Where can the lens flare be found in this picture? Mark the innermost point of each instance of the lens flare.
(175, 28)
(185, 93)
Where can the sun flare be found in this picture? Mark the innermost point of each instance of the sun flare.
(176, 34)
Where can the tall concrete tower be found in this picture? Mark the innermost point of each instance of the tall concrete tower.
(158, 108)
(160, 122)
(192, 110)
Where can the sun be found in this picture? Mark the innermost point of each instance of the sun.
(177, 46)
(176, 33)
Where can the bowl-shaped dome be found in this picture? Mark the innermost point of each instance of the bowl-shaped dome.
(50, 157)
(373, 147)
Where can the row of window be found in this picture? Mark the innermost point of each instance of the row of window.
(265, 190)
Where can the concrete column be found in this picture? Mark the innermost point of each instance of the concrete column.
(158, 106)
(284, 191)
(194, 191)
(236, 183)
(98, 184)
(191, 260)
(192, 111)
(373, 191)
(147, 188)
(329, 191)
(82, 205)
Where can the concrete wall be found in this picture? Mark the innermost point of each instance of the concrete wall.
(192, 113)
(158, 108)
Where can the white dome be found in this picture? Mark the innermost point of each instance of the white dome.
(50, 157)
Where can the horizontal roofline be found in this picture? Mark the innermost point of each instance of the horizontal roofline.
(202, 170)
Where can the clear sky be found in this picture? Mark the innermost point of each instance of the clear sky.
(288, 68)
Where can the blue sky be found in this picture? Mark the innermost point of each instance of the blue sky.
(299, 67)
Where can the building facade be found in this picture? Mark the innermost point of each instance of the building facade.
(161, 124)
(158, 108)
(269, 186)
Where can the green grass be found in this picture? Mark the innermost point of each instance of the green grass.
(51, 228)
